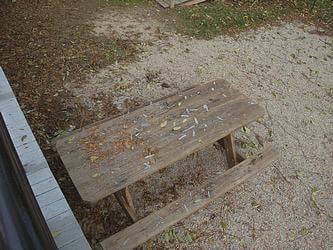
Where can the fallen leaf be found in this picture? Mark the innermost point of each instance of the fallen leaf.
(176, 128)
(93, 158)
(163, 124)
(245, 130)
(314, 190)
(70, 140)
(55, 233)
(254, 204)
(223, 226)
(304, 231)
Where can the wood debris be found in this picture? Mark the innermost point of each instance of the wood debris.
(176, 128)
(205, 107)
(182, 137)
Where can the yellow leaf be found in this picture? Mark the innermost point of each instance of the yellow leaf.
(55, 233)
(93, 158)
(163, 124)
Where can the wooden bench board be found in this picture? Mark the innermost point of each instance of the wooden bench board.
(169, 215)
(104, 158)
(167, 3)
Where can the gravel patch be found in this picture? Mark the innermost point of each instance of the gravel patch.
(287, 69)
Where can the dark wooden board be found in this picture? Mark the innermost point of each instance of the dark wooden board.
(104, 158)
(158, 221)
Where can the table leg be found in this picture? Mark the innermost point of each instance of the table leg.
(125, 200)
(229, 145)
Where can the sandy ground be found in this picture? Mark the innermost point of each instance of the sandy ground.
(288, 69)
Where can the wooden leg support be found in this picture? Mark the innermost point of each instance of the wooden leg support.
(229, 145)
(160, 220)
(233, 157)
(125, 200)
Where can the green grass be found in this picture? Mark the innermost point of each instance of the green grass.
(115, 52)
(216, 17)
(320, 9)
(206, 21)
(213, 18)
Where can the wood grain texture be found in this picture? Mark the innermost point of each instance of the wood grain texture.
(126, 202)
(192, 2)
(170, 3)
(229, 146)
(156, 222)
(104, 158)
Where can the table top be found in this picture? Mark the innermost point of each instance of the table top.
(107, 156)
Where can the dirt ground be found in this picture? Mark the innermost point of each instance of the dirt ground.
(286, 68)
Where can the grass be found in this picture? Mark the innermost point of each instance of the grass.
(216, 17)
(209, 20)
(119, 50)
(213, 18)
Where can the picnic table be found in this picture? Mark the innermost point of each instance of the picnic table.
(106, 157)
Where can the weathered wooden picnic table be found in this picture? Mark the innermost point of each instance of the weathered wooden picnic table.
(106, 157)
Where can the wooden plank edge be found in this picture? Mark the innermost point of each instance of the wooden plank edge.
(160, 220)
(192, 2)
(170, 4)
(65, 135)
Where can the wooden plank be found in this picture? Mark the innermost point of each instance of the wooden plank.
(4, 84)
(11, 110)
(220, 145)
(6, 97)
(17, 126)
(77, 244)
(192, 2)
(105, 158)
(44, 186)
(32, 157)
(170, 3)
(34, 166)
(156, 222)
(39, 176)
(173, 3)
(229, 145)
(49, 197)
(64, 228)
(54, 209)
